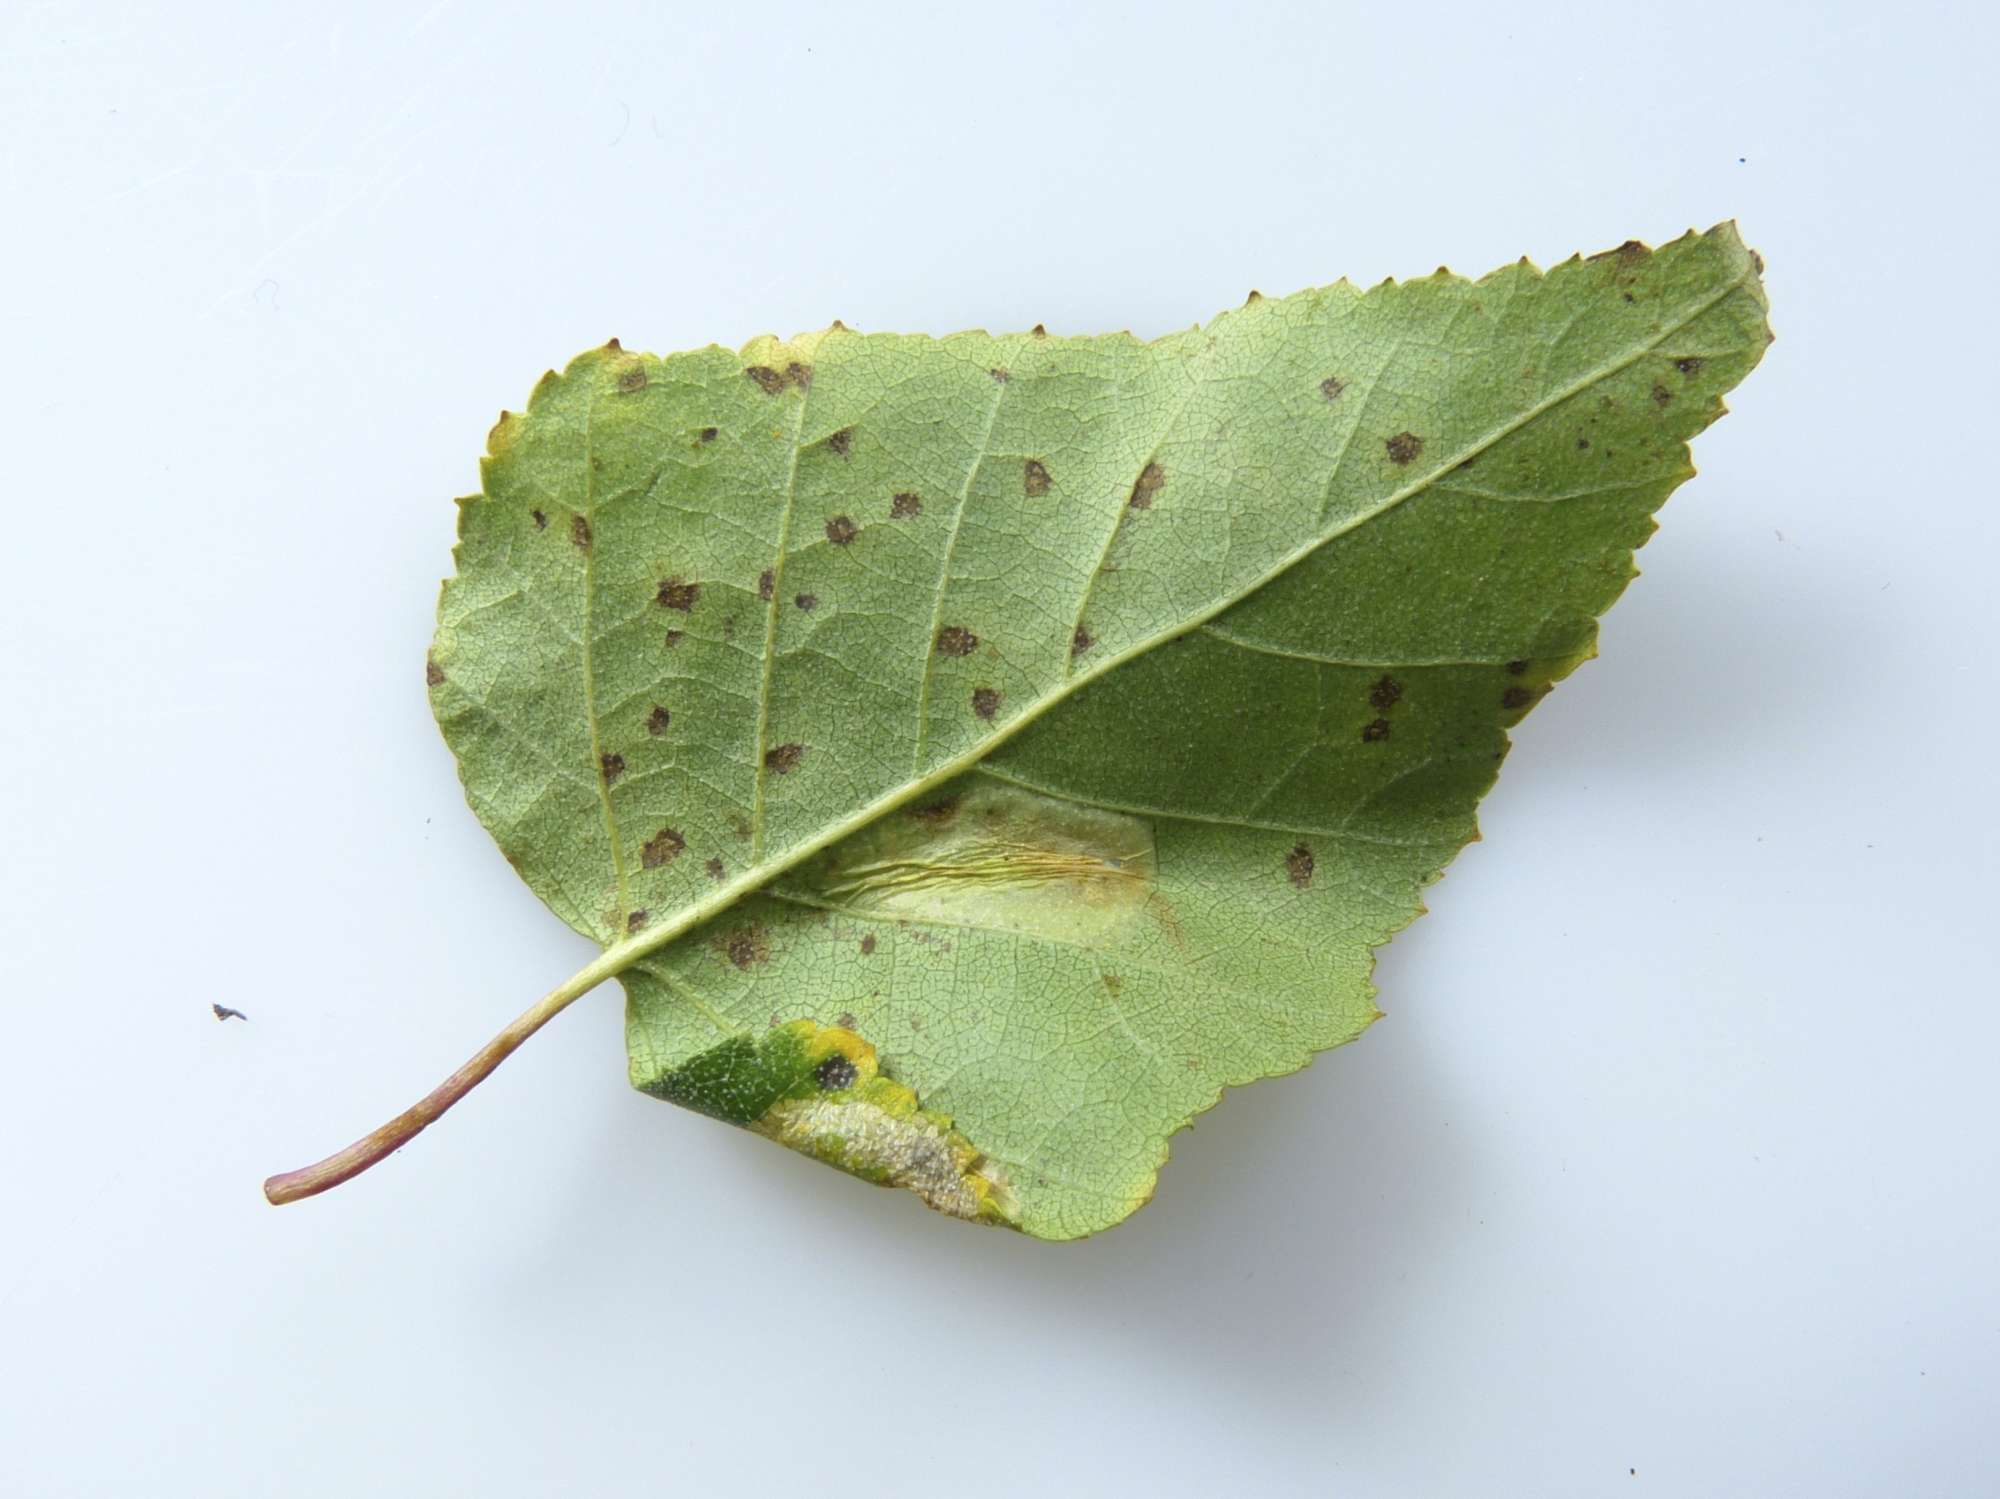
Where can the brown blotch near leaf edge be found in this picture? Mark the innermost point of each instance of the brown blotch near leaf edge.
(433, 673)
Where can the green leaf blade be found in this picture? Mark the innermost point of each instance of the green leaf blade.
(741, 645)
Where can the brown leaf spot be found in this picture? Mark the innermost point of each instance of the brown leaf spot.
(1583, 444)
(784, 759)
(1386, 693)
(1375, 732)
(765, 580)
(1113, 984)
(635, 922)
(579, 533)
(768, 379)
(1515, 668)
(904, 506)
(841, 530)
(1299, 866)
(1404, 447)
(662, 848)
(748, 946)
(1000, 375)
(807, 601)
(1034, 479)
(841, 441)
(675, 637)
(713, 868)
(1332, 386)
(867, 944)
(1662, 397)
(1689, 366)
(433, 673)
(708, 434)
(1516, 697)
(985, 702)
(657, 721)
(541, 521)
(611, 765)
(633, 379)
(675, 594)
(1148, 484)
(1081, 641)
(956, 640)
(835, 1073)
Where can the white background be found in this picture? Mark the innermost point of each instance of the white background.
(1673, 1169)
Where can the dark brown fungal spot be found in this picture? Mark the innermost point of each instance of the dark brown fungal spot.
(636, 921)
(956, 640)
(709, 434)
(807, 601)
(713, 869)
(1404, 448)
(1375, 732)
(1583, 444)
(1332, 386)
(841, 441)
(765, 580)
(1081, 641)
(1034, 479)
(611, 765)
(905, 505)
(675, 637)
(1385, 693)
(834, 1074)
(657, 720)
(433, 673)
(1517, 697)
(784, 759)
(1690, 365)
(662, 848)
(1516, 668)
(867, 944)
(633, 379)
(748, 946)
(985, 701)
(1148, 484)
(1662, 397)
(800, 375)
(768, 379)
(937, 814)
(1629, 297)
(579, 533)
(1000, 375)
(541, 521)
(676, 594)
(1299, 866)
(841, 530)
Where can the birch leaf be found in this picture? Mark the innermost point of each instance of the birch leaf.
(974, 754)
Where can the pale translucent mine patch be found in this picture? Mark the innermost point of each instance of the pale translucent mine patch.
(910, 1150)
(997, 857)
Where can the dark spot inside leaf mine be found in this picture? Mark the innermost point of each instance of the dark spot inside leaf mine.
(1662, 397)
(1515, 668)
(938, 813)
(834, 1074)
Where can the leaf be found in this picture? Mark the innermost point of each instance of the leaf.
(975, 753)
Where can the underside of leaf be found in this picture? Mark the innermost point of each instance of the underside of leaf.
(1048, 729)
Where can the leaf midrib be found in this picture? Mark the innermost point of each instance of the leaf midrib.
(621, 955)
